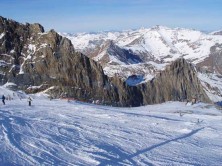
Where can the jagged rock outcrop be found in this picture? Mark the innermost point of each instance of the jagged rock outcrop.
(177, 82)
(36, 60)
(39, 60)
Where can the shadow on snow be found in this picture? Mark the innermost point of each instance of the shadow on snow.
(123, 157)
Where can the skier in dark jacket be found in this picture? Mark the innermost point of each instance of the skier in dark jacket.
(3, 99)
(29, 100)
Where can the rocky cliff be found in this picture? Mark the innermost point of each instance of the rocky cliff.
(177, 82)
(35, 61)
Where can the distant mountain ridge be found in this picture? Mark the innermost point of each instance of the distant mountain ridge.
(217, 32)
(156, 47)
(159, 44)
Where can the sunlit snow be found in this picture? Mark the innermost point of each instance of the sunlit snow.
(61, 132)
(2, 35)
(158, 41)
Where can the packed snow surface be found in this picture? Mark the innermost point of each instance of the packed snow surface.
(61, 132)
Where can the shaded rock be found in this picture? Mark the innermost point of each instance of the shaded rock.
(178, 82)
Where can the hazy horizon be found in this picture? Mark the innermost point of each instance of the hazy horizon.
(113, 15)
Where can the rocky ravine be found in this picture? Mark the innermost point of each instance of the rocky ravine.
(35, 61)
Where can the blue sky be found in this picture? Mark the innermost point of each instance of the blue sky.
(100, 15)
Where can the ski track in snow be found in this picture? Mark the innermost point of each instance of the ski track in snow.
(58, 132)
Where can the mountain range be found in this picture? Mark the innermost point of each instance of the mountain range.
(146, 51)
(130, 68)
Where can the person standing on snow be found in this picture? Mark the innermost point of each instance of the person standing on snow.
(3, 99)
(29, 100)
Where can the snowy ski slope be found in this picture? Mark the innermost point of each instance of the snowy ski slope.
(59, 132)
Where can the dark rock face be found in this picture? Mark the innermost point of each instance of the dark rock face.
(37, 61)
(178, 82)
(213, 63)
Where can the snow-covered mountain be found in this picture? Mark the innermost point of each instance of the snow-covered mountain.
(156, 47)
(216, 32)
(37, 61)
(159, 44)
(109, 52)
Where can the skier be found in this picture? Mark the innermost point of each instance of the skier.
(29, 100)
(3, 99)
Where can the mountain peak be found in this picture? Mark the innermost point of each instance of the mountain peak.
(160, 27)
(219, 32)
